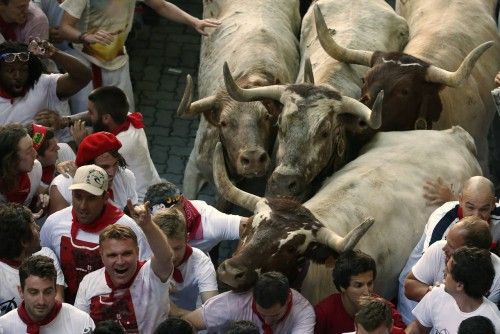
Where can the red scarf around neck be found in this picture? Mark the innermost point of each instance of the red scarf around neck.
(8, 30)
(109, 216)
(177, 275)
(127, 285)
(134, 118)
(265, 327)
(11, 262)
(33, 327)
(20, 192)
(193, 220)
(48, 173)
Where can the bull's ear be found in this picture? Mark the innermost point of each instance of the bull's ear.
(212, 115)
(320, 253)
(273, 107)
(376, 58)
(431, 105)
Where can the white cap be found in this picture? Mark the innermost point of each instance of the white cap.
(90, 178)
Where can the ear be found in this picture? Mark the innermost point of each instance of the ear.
(20, 290)
(431, 106)
(320, 253)
(377, 58)
(273, 107)
(212, 116)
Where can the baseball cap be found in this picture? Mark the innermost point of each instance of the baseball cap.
(162, 195)
(90, 178)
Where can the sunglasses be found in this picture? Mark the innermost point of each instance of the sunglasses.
(11, 57)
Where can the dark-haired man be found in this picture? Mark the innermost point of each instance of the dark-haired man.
(19, 239)
(469, 274)
(477, 325)
(40, 311)
(272, 305)
(26, 91)
(353, 276)
(374, 317)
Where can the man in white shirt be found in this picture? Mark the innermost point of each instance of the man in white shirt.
(73, 233)
(469, 274)
(272, 305)
(40, 311)
(194, 274)
(19, 239)
(127, 290)
(429, 270)
(206, 226)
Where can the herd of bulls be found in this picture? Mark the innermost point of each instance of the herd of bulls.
(325, 120)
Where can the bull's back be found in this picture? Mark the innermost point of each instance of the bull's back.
(367, 25)
(385, 182)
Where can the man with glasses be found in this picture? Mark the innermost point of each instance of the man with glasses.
(100, 148)
(73, 233)
(25, 90)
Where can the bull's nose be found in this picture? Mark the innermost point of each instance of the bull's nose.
(253, 161)
(285, 185)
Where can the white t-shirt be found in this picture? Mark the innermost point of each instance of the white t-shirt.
(23, 110)
(198, 274)
(219, 311)
(148, 295)
(35, 177)
(70, 320)
(9, 278)
(439, 310)
(217, 226)
(65, 152)
(135, 151)
(430, 268)
(123, 187)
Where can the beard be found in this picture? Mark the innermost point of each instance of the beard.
(99, 126)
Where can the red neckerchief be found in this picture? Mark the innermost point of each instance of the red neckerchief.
(193, 220)
(33, 327)
(48, 173)
(267, 329)
(20, 192)
(109, 216)
(111, 194)
(460, 213)
(13, 263)
(127, 285)
(134, 118)
(8, 30)
(177, 275)
(8, 96)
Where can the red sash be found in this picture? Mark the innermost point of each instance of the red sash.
(78, 257)
(134, 118)
(177, 275)
(193, 220)
(265, 327)
(20, 192)
(118, 305)
(33, 327)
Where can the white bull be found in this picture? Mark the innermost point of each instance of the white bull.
(385, 183)
(259, 41)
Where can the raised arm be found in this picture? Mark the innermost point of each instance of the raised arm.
(161, 262)
(172, 12)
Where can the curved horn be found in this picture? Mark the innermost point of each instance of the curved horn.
(188, 109)
(334, 50)
(226, 188)
(454, 79)
(250, 94)
(372, 117)
(308, 72)
(339, 244)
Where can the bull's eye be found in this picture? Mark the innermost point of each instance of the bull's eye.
(404, 91)
(363, 80)
(324, 134)
(223, 123)
(290, 249)
(267, 117)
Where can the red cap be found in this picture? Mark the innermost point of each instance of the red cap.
(94, 145)
(39, 134)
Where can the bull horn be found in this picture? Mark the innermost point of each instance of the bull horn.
(226, 188)
(454, 79)
(308, 72)
(349, 56)
(339, 244)
(186, 108)
(250, 94)
(372, 117)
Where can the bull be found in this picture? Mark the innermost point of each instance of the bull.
(384, 183)
(442, 78)
(258, 40)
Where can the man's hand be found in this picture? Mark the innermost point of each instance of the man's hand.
(66, 168)
(200, 25)
(140, 213)
(78, 131)
(437, 192)
(49, 118)
(41, 48)
(100, 36)
(497, 79)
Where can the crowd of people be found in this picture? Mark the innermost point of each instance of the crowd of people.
(92, 240)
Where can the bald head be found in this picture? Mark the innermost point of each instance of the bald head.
(477, 197)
